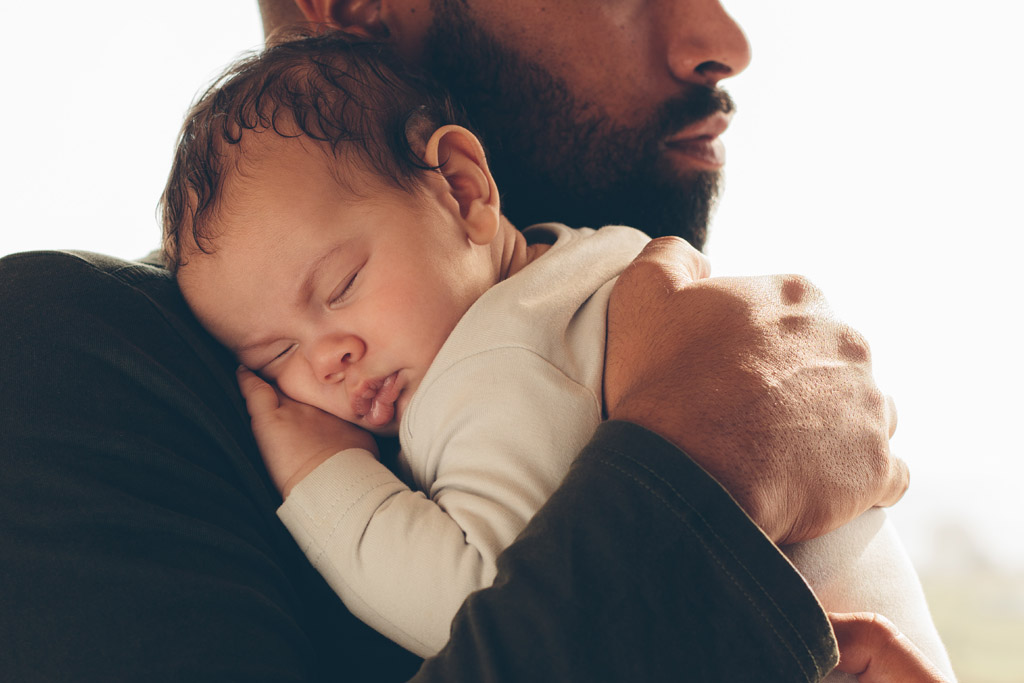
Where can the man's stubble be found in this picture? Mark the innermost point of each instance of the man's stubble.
(556, 158)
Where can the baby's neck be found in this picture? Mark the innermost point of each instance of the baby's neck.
(515, 252)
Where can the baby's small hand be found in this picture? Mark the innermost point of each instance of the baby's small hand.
(294, 437)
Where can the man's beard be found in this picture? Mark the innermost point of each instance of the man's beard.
(558, 159)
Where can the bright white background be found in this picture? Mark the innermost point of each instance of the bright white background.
(877, 149)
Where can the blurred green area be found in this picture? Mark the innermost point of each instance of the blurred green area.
(980, 616)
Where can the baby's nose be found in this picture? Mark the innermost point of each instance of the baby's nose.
(333, 356)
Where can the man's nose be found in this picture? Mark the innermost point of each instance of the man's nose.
(332, 355)
(704, 44)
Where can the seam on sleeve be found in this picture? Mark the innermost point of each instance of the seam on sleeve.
(334, 528)
(730, 574)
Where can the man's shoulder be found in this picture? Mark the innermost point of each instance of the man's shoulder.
(79, 264)
(73, 284)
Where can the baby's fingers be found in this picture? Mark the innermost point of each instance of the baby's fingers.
(260, 397)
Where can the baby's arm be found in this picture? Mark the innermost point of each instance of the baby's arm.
(404, 562)
(364, 530)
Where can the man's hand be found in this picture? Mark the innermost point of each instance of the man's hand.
(757, 382)
(873, 649)
(294, 437)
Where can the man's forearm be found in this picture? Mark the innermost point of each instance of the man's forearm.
(640, 567)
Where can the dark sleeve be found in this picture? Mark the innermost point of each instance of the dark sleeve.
(138, 533)
(639, 568)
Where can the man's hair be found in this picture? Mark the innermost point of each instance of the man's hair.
(350, 95)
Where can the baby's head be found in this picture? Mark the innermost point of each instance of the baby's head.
(329, 221)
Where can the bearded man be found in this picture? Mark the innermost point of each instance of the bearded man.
(140, 540)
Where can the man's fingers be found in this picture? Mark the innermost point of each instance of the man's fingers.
(260, 397)
(873, 649)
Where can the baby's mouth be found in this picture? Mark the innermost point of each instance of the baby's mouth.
(375, 400)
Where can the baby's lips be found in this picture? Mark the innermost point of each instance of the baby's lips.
(362, 397)
(374, 399)
(380, 413)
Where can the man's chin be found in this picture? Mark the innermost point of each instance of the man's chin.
(674, 203)
(681, 204)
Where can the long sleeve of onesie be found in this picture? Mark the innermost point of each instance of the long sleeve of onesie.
(404, 561)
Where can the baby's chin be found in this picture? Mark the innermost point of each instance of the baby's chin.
(390, 430)
(387, 429)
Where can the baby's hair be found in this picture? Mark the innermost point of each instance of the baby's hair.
(349, 94)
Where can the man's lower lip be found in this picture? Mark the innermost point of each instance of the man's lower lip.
(705, 153)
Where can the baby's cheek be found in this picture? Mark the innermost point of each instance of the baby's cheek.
(292, 386)
(331, 399)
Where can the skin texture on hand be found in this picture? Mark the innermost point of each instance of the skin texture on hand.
(759, 383)
(294, 437)
(873, 649)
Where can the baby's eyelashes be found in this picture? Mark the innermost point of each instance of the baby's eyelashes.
(285, 352)
(261, 362)
(343, 290)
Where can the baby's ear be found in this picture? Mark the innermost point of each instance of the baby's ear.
(459, 157)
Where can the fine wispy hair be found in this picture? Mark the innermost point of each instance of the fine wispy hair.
(352, 96)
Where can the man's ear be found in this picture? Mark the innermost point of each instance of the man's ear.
(359, 17)
(459, 157)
